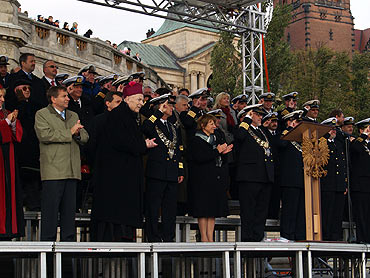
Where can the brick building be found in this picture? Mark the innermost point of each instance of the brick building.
(318, 23)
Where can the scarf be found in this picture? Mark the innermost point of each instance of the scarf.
(229, 118)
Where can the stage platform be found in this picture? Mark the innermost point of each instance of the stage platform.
(234, 256)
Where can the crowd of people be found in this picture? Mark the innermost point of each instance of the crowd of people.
(150, 153)
(88, 33)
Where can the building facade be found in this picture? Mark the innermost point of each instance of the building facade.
(179, 52)
(317, 23)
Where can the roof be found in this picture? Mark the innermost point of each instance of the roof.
(198, 51)
(171, 25)
(155, 56)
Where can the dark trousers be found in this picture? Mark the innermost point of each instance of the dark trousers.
(254, 203)
(332, 206)
(58, 196)
(361, 211)
(293, 221)
(160, 194)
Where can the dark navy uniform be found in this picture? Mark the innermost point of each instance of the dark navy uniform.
(333, 187)
(360, 186)
(162, 172)
(255, 176)
(292, 224)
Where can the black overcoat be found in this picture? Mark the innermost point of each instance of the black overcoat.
(207, 183)
(291, 165)
(118, 179)
(335, 180)
(360, 161)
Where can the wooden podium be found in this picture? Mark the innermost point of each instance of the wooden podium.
(315, 155)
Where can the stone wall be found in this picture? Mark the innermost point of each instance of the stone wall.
(20, 34)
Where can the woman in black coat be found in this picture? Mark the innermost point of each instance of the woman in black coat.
(207, 177)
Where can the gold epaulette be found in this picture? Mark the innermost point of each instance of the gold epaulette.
(360, 139)
(181, 166)
(181, 147)
(101, 94)
(284, 112)
(244, 125)
(191, 114)
(152, 118)
(285, 132)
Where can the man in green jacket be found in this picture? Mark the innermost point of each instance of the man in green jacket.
(60, 133)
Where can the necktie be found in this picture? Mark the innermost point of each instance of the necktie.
(52, 83)
(29, 76)
(63, 114)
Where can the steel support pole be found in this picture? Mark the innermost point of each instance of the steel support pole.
(226, 264)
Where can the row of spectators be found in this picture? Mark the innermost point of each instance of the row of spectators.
(56, 23)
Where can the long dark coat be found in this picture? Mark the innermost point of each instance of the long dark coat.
(207, 182)
(118, 180)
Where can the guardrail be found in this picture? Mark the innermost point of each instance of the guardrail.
(235, 254)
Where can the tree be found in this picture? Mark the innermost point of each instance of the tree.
(225, 64)
(278, 55)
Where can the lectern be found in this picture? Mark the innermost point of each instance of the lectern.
(315, 155)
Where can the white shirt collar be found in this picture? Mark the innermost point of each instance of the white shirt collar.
(163, 121)
(49, 80)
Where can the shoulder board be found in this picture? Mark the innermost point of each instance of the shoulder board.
(284, 112)
(101, 94)
(152, 118)
(359, 139)
(191, 114)
(244, 125)
(285, 132)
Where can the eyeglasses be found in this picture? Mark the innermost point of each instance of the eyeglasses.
(25, 88)
(52, 66)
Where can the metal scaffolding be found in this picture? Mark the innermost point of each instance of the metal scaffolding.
(243, 17)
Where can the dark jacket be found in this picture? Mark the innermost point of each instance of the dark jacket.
(335, 180)
(38, 92)
(97, 102)
(159, 164)
(253, 165)
(85, 112)
(189, 120)
(47, 85)
(360, 161)
(28, 150)
(119, 173)
(291, 165)
(4, 81)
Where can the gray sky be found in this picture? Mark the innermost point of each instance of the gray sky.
(116, 25)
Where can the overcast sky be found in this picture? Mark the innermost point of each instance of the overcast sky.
(116, 25)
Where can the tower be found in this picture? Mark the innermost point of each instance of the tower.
(316, 23)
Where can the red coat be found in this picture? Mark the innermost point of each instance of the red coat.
(11, 212)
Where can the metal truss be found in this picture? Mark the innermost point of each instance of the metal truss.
(226, 15)
(252, 58)
(243, 17)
